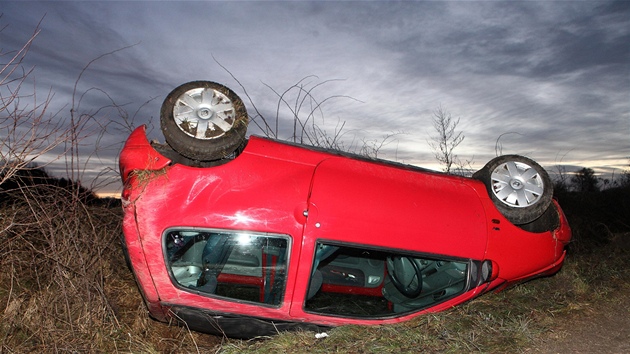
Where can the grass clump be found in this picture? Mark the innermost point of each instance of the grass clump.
(64, 284)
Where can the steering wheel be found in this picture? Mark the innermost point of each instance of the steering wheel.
(405, 285)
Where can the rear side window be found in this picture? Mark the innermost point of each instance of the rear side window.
(352, 281)
(235, 265)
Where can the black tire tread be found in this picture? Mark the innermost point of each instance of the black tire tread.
(197, 149)
(517, 216)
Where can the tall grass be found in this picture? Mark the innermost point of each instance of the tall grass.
(64, 284)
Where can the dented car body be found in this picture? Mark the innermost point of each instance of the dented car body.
(283, 236)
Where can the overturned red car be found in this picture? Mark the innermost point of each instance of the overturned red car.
(248, 237)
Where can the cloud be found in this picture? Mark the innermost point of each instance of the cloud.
(551, 78)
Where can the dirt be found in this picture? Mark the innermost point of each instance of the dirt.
(603, 328)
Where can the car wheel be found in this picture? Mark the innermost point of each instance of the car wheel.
(519, 187)
(203, 120)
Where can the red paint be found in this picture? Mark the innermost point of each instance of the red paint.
(272, 186)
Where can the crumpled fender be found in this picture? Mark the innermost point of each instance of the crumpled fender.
(138, 154)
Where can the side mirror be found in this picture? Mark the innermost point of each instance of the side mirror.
(489, 271)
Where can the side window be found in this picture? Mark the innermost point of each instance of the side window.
(235, 265)
(363, 282)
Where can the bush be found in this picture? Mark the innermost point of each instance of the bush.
(596, 217)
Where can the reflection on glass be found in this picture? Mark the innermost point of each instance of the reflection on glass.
(358, 282)
(236, 265)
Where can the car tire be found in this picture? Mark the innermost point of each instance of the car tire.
(203, 120)
(519, 187)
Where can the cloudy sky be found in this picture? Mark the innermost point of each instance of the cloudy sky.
(551, 79)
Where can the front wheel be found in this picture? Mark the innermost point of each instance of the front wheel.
(519, 187)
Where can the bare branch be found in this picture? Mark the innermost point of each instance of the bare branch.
(26, 130)
(498, 147)
(447, 138)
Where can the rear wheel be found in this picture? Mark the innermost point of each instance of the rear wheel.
(203, 120)
(519, 187)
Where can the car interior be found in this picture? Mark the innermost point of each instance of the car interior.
(346, 280)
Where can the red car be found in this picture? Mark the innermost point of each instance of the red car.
(248, 237)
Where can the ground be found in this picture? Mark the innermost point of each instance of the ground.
(602, 328)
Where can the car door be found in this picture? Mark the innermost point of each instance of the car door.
(379, 206)
(226, 239)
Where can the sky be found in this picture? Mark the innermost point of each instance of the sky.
(546, 79)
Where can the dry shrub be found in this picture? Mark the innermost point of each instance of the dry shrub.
(64, 284)
(55, 260)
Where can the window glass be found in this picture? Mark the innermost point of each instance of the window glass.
(236, 265)
(362, 282)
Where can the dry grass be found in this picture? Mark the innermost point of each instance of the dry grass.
(64, 286)
(508, 322)
(54, 283)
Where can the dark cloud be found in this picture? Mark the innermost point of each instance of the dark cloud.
(551, 78)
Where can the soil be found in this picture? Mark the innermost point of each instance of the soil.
(604, 328)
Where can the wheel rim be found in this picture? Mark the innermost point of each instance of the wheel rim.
(204, 113)
(517, 184)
